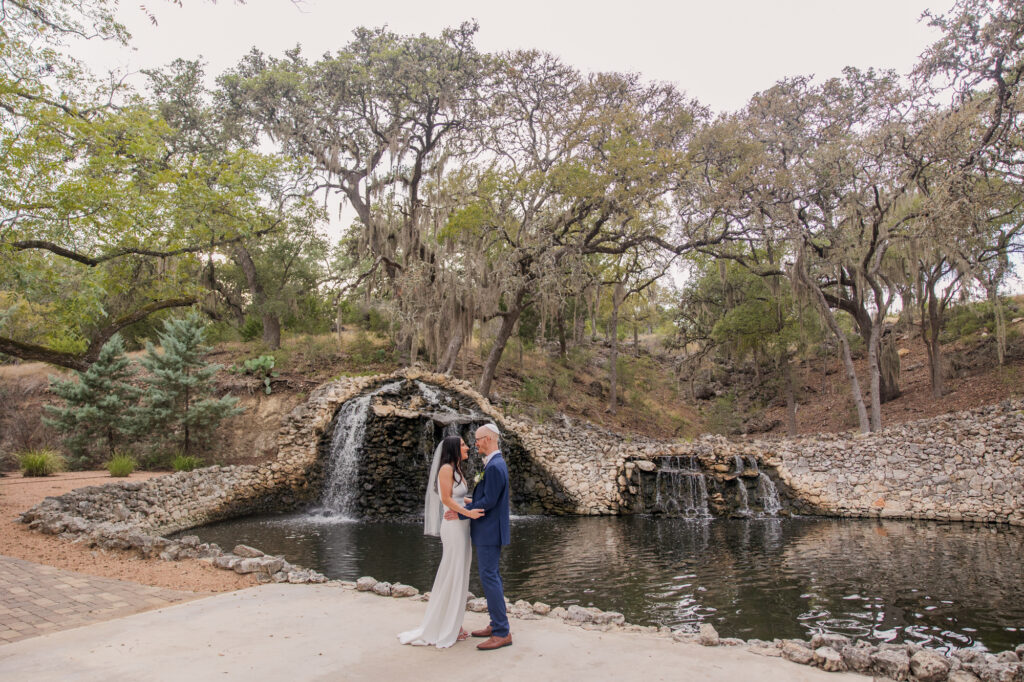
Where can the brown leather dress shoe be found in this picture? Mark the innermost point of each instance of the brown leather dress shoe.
(486, 632)
(495, 643)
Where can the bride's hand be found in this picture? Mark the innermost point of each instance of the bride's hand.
(474, 513)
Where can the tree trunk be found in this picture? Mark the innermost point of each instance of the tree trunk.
(508, 323)
(890, 369)
(997, 306)
(636, 340)
(613, 358)
(451, 353)
(875, 378)
(593, 314)
(271, 331)
(560, 324)
(787, 381)
(844, 346)
(931, 325)
(271, 322)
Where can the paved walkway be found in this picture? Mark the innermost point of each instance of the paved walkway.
(323, 632)
(37, 599)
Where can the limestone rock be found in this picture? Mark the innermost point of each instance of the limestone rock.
(929, 666)
(541, 609)
(579, 614)
(558, 612)
(963, 676)
(478, 605)
(708, 635)
(400, 590)
(796, 651)
(383, 589)
(891, 662)
(246, 551)
(828, 659)
(836, 642)
(366, 583)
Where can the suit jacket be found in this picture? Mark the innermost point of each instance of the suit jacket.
(491, 495)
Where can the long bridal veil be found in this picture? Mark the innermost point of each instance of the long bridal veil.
(433, 510)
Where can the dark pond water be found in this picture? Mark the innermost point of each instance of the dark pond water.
(943, 585)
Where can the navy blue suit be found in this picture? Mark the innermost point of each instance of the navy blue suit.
(489, 535)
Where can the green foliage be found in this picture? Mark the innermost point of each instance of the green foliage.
(97, 402)
(121, 465)
(252, 329)
(534, 390)
(186, 462)
(262, 368)
(964, 320)
(40, 462)
(365, 351)
(722, 417)
(176, 400)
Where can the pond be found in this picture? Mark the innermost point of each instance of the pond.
(944, 586)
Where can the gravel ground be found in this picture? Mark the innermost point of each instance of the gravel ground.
(18, 493)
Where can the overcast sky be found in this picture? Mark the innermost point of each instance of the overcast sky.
(718, 51)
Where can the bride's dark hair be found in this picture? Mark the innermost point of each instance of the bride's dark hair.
(451, 453)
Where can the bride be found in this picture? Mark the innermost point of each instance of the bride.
(442, 624)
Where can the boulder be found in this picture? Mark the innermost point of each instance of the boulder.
(796, 651)
(708, 635)
(828, 659)
(891, 662)
(246, 551)
(478, 605)
(579, 614)
(929, 666)
(382, 588)
(541, 609)
(366, 583)
(400, 590)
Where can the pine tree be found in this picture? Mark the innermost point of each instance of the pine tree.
(97, 402)
(176, 401)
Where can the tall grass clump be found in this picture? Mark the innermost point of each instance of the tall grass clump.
(186, 463)
(41, 462)
(121, 465)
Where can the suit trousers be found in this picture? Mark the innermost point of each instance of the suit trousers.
(487, 558)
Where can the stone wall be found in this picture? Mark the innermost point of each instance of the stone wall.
(964, 466)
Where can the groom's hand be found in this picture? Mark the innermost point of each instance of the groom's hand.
(451, 516)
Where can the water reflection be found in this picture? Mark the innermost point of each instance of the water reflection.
(947, 585)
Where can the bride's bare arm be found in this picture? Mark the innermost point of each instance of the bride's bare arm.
(446, 476)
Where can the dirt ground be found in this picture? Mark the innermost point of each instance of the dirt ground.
(18, 493)
(825, 404)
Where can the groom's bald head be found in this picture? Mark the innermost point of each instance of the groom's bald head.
(487, 439)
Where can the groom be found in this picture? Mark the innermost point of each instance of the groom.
(490, 533)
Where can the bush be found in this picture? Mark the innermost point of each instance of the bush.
(534, 390)
(120, 465)
(252, 329)
(41, 462)
(186, 462)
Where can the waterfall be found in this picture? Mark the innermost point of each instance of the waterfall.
(768, 494)
(680, 488)
(342, 471)
(744, 507)
(738, 463)
(753, 463)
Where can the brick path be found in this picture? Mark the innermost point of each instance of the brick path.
(37, 599)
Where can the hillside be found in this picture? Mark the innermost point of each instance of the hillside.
(538, 383)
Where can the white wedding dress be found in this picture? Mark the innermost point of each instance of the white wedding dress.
(447, 605)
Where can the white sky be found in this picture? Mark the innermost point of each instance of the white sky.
(718, 51)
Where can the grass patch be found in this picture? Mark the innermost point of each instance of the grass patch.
(186, 462)
(121, 465)
(42, 462)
